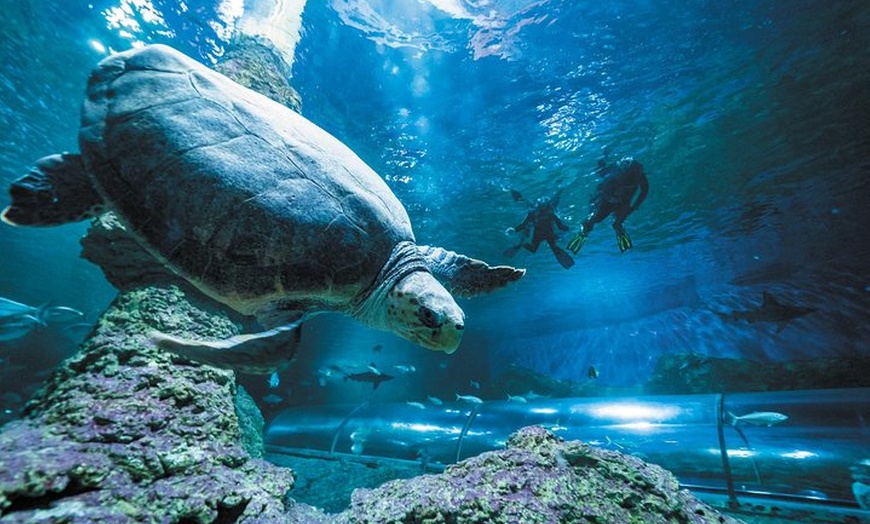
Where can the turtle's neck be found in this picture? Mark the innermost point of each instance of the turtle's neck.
(369, 307)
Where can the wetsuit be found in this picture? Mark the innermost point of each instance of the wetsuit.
(615, 195)
(543, 221)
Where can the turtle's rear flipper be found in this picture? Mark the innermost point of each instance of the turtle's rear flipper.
(258, 353)
(464, 276)
(57, 190)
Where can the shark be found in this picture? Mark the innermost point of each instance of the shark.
(771, 310)
(369, 376)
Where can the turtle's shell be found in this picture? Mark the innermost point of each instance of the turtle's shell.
(244, 197)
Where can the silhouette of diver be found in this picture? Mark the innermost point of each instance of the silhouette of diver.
(542, 220)
(620, 182)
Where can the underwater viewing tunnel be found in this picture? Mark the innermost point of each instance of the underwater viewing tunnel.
(797, 446)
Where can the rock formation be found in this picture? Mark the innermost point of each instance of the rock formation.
(123, 432)
(538, 478)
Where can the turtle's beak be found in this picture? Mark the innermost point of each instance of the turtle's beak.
(421, 310)
(447, 327)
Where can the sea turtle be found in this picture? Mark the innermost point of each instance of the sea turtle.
(251, 203)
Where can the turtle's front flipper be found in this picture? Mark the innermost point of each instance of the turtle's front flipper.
(57, 190)
(464, 276)
(258, 353)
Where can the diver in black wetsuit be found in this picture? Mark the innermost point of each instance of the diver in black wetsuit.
(619, 184)
(542, 220)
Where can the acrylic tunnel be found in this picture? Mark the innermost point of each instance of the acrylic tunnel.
(799, 446)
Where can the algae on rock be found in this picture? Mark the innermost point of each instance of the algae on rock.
(538, 478)
(123, 430)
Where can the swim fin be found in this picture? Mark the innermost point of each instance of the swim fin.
(623, 241)
(577, 242)
(563, 257)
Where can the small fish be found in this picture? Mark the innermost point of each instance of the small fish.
(622, 444)
(374, 369)
(272, 399)
(360, 435)
(469, 398)
(423, 456)
(435, 400)
(13, 328)
(59, 314)
(11, 308)
(359, 438)
(418, 405)
(531, 395)
(519, 399)
(374, 379)
(759, 418)
(404, 370)
(592, 372)
(324, 374)
(274, 380)
(862, 494)
(474, 384)
(377, 348)
(814, 494)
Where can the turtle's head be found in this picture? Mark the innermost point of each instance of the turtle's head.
(421, 310)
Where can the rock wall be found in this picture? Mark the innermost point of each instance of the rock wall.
(123, 432)
(538, 479)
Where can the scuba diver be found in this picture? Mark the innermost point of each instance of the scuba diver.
(540, 224)
(619, 184)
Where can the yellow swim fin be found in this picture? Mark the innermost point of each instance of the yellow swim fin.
(623, 241)
(577, 242)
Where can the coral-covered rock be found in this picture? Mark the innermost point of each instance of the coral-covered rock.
(254, 62)
(123, 432)
(538, 478)
(251, 422)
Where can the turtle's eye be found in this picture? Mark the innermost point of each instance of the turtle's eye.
(428, 317)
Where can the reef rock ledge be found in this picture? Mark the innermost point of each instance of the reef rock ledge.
(125, 433)
(538, 479)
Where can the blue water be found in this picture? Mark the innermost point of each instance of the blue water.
(750, 118)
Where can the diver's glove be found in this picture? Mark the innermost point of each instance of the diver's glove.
(623, 241)
(577, 242)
